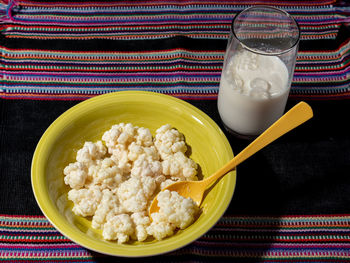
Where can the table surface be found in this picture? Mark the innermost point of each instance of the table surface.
(291, 201)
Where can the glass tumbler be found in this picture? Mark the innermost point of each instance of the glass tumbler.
(258, 69)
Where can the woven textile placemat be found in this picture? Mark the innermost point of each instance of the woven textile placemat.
(76, 50)
(233, 239)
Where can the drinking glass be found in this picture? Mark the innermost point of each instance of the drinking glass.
(258, 69)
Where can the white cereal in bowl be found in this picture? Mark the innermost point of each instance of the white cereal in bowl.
(113, 181)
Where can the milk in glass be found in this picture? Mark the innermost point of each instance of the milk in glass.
(253, 92)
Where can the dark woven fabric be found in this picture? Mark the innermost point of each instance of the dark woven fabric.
(304, 172)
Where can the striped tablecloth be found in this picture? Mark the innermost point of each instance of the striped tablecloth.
(233, 239)
(78, 50)
(65, 50)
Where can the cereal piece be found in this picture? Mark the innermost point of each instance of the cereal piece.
(85, 200)
(160, 230)
(180, 167)
(121, 133)
(134, 194)
(91, 152)
(119, 227)
(144, 137)
(178, 210)
(109, 206)
(76, 174)
(106, 174)
(136, 150)
(169, 141)
(120, 157)
(111, 136)
(141, 221)
(175, 211)
(145, 166)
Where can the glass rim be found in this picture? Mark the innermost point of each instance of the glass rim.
(262, 52)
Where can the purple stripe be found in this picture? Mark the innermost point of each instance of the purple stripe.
(99, 75)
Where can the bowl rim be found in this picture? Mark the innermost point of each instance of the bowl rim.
(123, 250)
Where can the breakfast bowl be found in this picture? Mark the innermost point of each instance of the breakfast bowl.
(87, 121)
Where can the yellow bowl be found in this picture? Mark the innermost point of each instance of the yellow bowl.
(86, 122)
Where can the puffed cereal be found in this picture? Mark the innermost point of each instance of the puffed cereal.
(114, 180)
(175, 211)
